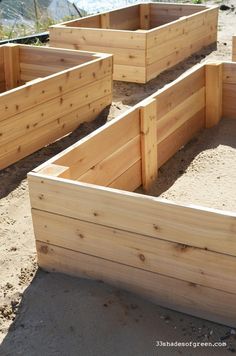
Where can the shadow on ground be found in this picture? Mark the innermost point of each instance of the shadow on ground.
(61, 315)
(132, 93)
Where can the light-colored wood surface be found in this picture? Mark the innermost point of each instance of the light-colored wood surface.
(85, 154)
(172, 293)
(148, 126)
(193, 226)
(130, 180)
(109, 169)
(163, 35)
(229, 90)
(87, 222)
(144, 15)
(139, 251)
(213, 93)
(105, 20)
(40, 137)
(171, 144)
(11, 66)
(36, 114)
(174, 119)
(33, 94)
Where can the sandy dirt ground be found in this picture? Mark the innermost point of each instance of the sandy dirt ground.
(52, 314)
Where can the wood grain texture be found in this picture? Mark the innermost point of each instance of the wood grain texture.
(193, 226)
(148, 125)
(213, 93)
(229, 90)
(11, 66)
(36, 114)
(189, 298)
(186, 30)
(136, 250)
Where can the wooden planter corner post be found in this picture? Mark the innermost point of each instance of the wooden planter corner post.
(145, 16)
(148, 130)
(12, 65)
(213, 93)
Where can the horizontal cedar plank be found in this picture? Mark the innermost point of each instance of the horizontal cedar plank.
(20, 99)
(172, 95)
(112, 38)
(41, 115)
(135, 250)
(169, 15)
(53, 57)
(81, 156)
(177, 56)
(201, 43)
(130, 180)
(88, 21)
(58, 52)
(168, 147)
(165, 33)
(176, 7)
(170, 122)
(229, 102)
(229, 90)
(2, 87)
(30, 72)
(229, 112)
(229, 73)
(209, 19)
(188, 297)
(125, 19)
(129, 56)
(193, 226)
(47, 134)
(106, 171)
(129, 73)
(176, 44)
(94, 19)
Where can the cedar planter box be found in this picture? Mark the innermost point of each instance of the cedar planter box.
(45, 93)
(146, 39)
(89, 223)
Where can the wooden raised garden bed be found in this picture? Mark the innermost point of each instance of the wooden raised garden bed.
(146, 39)
(45, 93)
(89, 223)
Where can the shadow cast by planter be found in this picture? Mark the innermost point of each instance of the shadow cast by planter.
(61, 315)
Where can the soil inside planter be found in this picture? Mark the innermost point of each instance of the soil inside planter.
(204, 171)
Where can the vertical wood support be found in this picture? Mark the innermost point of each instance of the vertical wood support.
(12, 65)
(148, 125)
(105, 20)
(234, 48)
(144, 13)
(213, 93)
